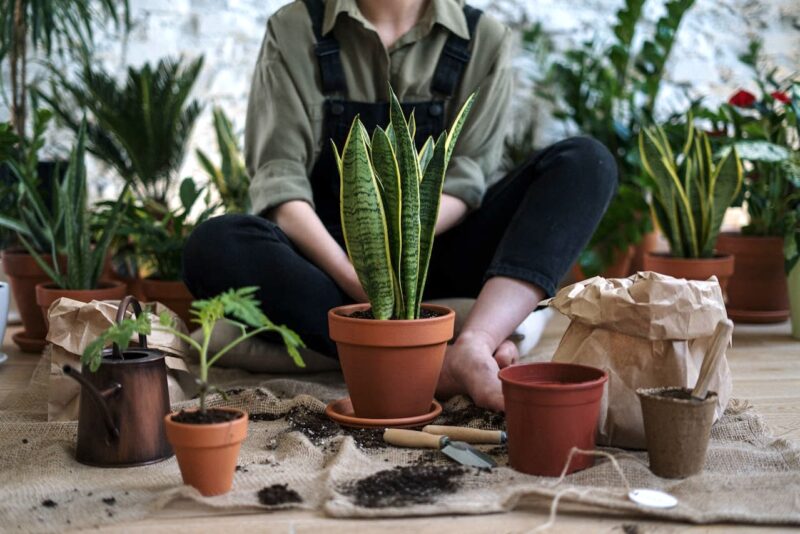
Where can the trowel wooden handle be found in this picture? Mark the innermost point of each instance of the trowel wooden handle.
(411, 438)
(722, 334)
(469, 435)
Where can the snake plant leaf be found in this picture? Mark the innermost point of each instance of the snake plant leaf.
(412, 125)
(410, 224)
(425, 154)
(724, 186)
(652, 158)
(364, 223)
(385, 163)
(430, 193)
(458, 124)
(337, 157)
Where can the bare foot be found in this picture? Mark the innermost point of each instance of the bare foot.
(506, 354)
(470, 369)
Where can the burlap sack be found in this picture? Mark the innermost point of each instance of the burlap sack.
(648, 330)
(73, 325)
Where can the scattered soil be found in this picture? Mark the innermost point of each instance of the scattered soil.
(49, 503)
(265, 416)
(485, 419)
(24, 441)
(111, 501)
(367, 314)
(278, 494)
(314, 425)
(500, 450)
(366, 438)
(241, 469)
(630, 528)
(404, 486)
(211, 416)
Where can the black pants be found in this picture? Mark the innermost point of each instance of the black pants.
(531, 226)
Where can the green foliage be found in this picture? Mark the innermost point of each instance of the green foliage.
(390, 195)
(238, 307)
(691, 190)
(140, 128)
(230, 179)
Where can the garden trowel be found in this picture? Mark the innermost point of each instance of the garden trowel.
(456, 450)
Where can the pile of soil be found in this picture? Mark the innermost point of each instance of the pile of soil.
(681, 394)
(481, 417)
(278, 494)
(367, 314)
(404, 485)
(366, 438)
(265, 416)
(211, 416)
(314, 425)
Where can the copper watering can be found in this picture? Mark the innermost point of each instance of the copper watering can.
(123, 404)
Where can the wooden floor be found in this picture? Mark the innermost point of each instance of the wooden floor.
(765, 362)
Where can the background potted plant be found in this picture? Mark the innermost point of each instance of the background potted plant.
(691, 192)
(206, 440)
(390, 194)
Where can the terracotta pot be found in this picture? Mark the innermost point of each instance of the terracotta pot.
(677, 431)
(794, 300)
(550, 408)
(650, 242)
(757, 291)
(720, 266)
(619, 269)
(207, 454)
(391, 367)
(47, 294)
(171, 293)
(23, 275)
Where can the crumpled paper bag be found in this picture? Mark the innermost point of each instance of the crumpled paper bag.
(648, 330)
(75, 324)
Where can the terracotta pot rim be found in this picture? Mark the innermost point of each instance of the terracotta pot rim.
(653, 394)
(210, 426)
(717, 258)
(739, 235)
(570, 386)
(338, 314)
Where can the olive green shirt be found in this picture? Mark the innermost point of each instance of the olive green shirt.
(283, 134)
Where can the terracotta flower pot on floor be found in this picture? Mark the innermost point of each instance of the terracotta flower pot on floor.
(47, 294)
(23, 275)
(757, 290)
(550, 408)
(391, 368)
(207, 453)
(721, 266)
(171, 293)
(794, 300)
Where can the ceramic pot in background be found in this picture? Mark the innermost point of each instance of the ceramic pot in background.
(47, 294)
(4, 300)
(794, 299)
(207, 453)
(721, 266)
(551, 408)
(391, 368)
(172, 294)
(757, 290)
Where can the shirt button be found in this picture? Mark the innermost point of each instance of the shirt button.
(337, 108)
(435, 110)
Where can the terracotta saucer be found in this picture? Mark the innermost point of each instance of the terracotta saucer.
(28, 344)
(341, 411)
(758, 317)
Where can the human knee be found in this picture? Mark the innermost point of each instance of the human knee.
(596, 169)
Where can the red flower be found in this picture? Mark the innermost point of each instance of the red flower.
(780, 96)
(742, 99)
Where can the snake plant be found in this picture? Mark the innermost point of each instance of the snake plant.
(691, 190)
(390, 195)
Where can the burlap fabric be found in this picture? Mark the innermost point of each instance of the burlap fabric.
(749, 477)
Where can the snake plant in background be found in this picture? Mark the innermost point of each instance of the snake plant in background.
(390, 195)
(230, 179)
(691, 190)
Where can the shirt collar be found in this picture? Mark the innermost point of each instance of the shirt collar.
(448, 13)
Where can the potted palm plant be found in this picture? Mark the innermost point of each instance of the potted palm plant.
(691, 192)
(206, 440)
(230, 178)
(392, 349)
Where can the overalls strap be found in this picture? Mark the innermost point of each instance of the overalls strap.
(455, 57)
(327, 51)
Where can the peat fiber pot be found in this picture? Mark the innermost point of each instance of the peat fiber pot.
(757, 291)
(720, 266)
(794, 300)
(551, 408)
(47, 293)
(171, 293)
(391, 368)
(677, 429)
(23, 275)
(208, 452)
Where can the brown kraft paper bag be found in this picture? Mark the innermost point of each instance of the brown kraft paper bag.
(646, 331)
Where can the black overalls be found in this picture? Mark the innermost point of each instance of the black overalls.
(339, 113)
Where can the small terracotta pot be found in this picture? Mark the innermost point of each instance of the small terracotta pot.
(23, 275)
(550, 408)
(391, 368)
(47, 293)
(757, 291)
(794, 300)
(677, 431)
(207, 454)
(720, 266)
(171, 293)
(619, 269)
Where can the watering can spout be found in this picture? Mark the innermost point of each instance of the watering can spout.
(100, 397)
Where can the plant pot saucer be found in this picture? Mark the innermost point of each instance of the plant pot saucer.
(341, 411)
(28, 344)
(758, 317)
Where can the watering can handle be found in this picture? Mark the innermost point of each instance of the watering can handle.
(98, 396)
(137, 311)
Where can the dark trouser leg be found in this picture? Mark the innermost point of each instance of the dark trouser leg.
(532, 224)
(235, 251)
